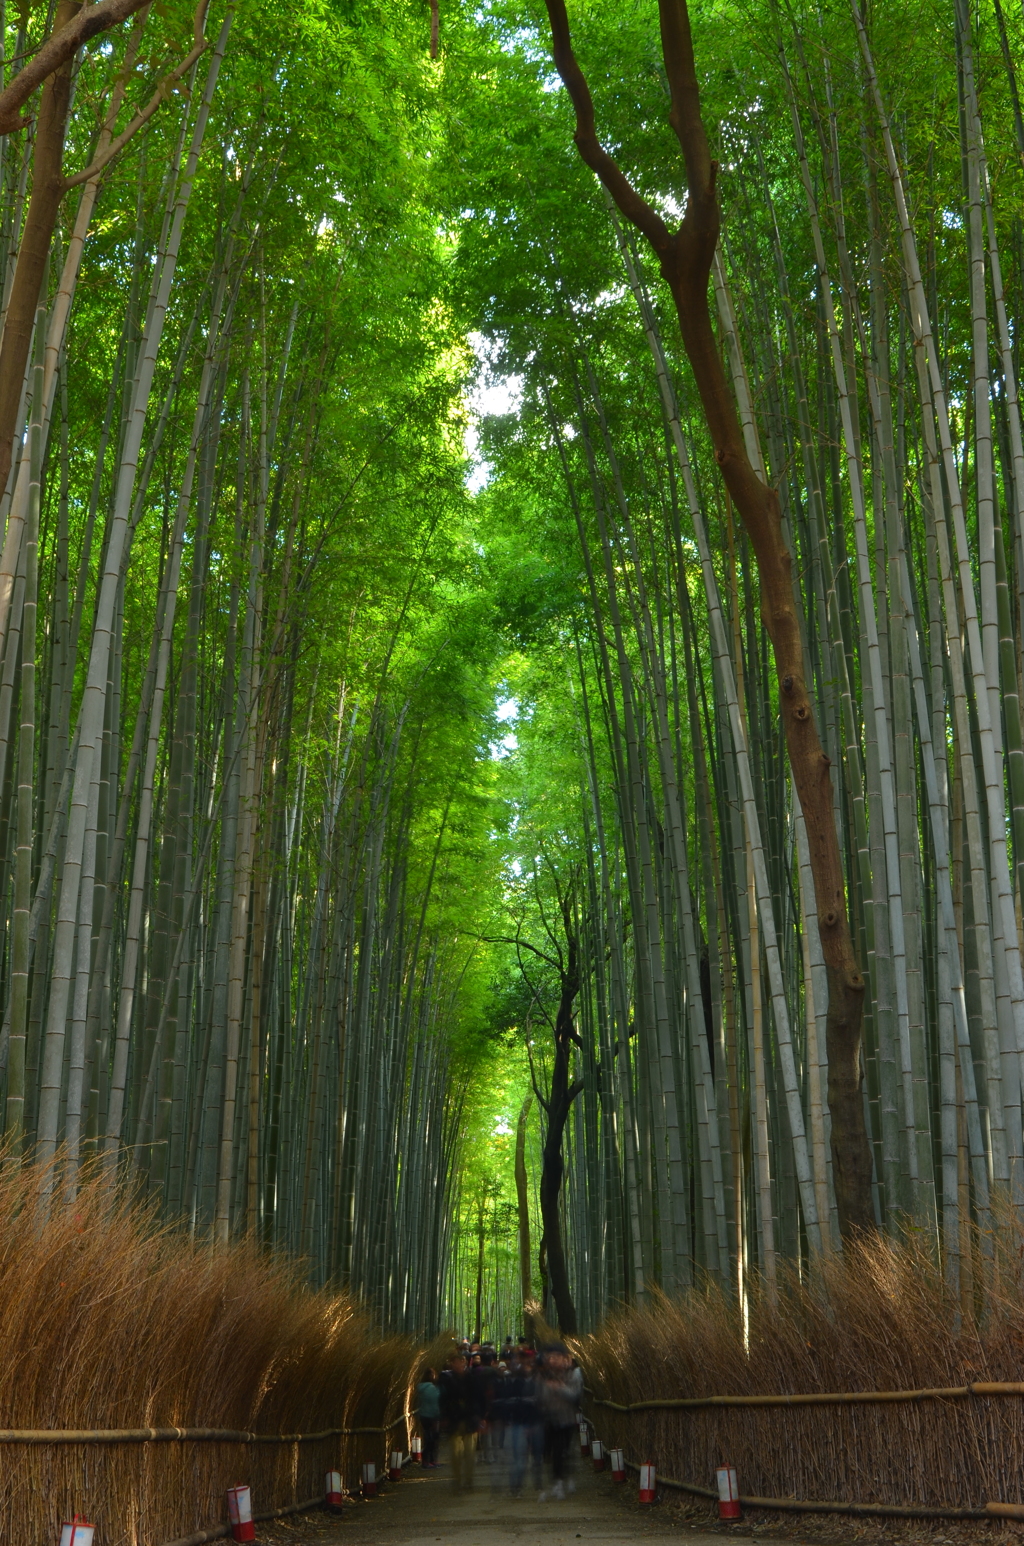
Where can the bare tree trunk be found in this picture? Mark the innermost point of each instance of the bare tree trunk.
(557, 1108)
(481, 1240)
(21, 945)
(686, 258)
(523, 1205)
(47, 192)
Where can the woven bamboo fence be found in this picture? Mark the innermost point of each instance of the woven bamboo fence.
(867, 1383)
(149, 1486)
(143, 1373)
(951, 1451)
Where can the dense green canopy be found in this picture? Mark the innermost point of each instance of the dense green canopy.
(393, 755)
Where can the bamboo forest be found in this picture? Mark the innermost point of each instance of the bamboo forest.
(511, 654)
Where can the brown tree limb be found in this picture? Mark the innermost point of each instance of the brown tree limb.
(44, 203)
(48, 188)
(60, 47)
(144, 114)
(508, 939)
(685, 258)
(590, 148)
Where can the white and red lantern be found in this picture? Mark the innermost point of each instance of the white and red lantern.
(647, 1482)
(332, 1489)
(240, 1514)
(416, 1451)
(395, 1468)
(728, 1492)
(618, 1461)
(78, 1533)
(597, 1454)
(369, 1480)
(584, 1436)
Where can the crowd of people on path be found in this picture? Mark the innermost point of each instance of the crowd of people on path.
(515, 1410)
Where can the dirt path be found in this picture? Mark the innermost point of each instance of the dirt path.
(423, 1510)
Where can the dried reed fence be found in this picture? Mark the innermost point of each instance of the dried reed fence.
(109, 1323)
(878, 1319)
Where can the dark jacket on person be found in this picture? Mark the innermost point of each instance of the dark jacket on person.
(485, 1379)
(460, 1405)
(517, 1400)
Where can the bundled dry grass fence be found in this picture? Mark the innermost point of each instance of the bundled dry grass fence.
(880, 1318)
(108, 1323)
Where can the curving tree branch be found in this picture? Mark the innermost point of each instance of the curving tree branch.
(62, 44)
(142, 117)
(685, 258)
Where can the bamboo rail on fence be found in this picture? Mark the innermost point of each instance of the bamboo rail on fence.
(988, 1510)
(821, 1398)
(192, 1436)
(861, 1510)
(182, 1435)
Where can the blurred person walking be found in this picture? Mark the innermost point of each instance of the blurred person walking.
(428, 1411)
(524, 1431)
(460, 1415)
(485, 1378)
(559, 1388)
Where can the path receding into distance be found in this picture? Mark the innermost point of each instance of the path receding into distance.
(423, 1510)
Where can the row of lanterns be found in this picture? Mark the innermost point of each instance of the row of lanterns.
(243, 1527)
(725, 1476)
(595, 1449)
(80, 1533)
